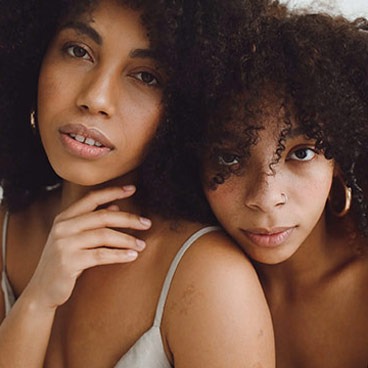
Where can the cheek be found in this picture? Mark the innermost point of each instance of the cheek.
(142, 102)
(145, 128)
(51, 90)
(224, 201)
(323, 182)
(141, 117)
(153, 117)
(312, 191)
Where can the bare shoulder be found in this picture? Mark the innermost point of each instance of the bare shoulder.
(216, 313)
(214, 256)
(214, 267)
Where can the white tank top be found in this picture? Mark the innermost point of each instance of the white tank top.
(148, 351)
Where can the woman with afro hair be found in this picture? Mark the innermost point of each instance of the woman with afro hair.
(94, 275)
(285, 172)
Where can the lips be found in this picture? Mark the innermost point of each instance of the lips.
(83, 142)
(81, 134)
(268, 238)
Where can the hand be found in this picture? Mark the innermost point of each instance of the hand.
(82, 237)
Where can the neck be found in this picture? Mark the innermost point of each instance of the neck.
(311, 262)
(72, 192)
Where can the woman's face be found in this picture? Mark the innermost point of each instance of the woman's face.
(99, 95)
(270, 212)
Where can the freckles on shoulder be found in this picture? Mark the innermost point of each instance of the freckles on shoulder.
(213, 264)
(216, 311)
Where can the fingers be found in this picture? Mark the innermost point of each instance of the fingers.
(95, 199)
(84, 236)
(104, 256)
(105, 238)
(105, 218)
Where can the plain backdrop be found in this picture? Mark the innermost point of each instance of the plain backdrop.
(349, 8)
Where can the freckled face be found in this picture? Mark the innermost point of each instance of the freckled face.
(99, 99)
(271, 214)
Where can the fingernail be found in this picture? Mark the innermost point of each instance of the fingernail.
(128, 188)
(145, 221)
(132, 254)
(140, 244)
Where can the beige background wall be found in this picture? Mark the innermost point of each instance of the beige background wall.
(349, 8)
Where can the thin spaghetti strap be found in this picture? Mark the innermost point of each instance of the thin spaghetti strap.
(4, 237)
(172, 269)
(5, 284)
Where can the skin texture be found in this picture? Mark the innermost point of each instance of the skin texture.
(183, 36)
(307, 72)
(313, 270)
(106, 90)
(265, 209)
(86, 266)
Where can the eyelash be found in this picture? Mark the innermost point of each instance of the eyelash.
(69, 49)
(223, 162)
(231, 160)
(139, 76)
(303, 149)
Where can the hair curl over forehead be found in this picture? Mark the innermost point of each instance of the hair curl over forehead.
(317, 66)
(211, 37)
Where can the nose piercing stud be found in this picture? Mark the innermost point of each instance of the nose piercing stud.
(283, 198)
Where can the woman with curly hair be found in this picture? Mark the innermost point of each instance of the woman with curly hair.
(94, 275)
(285, 173)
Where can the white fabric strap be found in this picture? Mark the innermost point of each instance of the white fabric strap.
(5, 231)
(172, 269)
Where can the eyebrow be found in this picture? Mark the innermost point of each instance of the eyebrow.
(84, 29)
(95, 36)
(143, 54)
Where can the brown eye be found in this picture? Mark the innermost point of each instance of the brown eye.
(228, 159)
(77, 52)
(147, 78)
(303, 154)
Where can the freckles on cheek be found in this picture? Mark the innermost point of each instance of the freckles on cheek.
(318, 189)
(324, 182)
(219, 199)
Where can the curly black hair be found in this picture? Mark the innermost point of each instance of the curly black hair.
(317, 67)
(187, 36)
(211, 36)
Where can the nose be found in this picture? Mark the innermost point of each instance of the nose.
(266, 193)
(98, 93)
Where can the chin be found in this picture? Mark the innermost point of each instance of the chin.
(269, 256)
(82, 179)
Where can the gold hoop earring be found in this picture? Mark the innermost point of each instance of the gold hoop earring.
(338, 208)
(32, 120)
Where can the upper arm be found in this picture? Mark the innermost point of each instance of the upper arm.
(216, 313)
